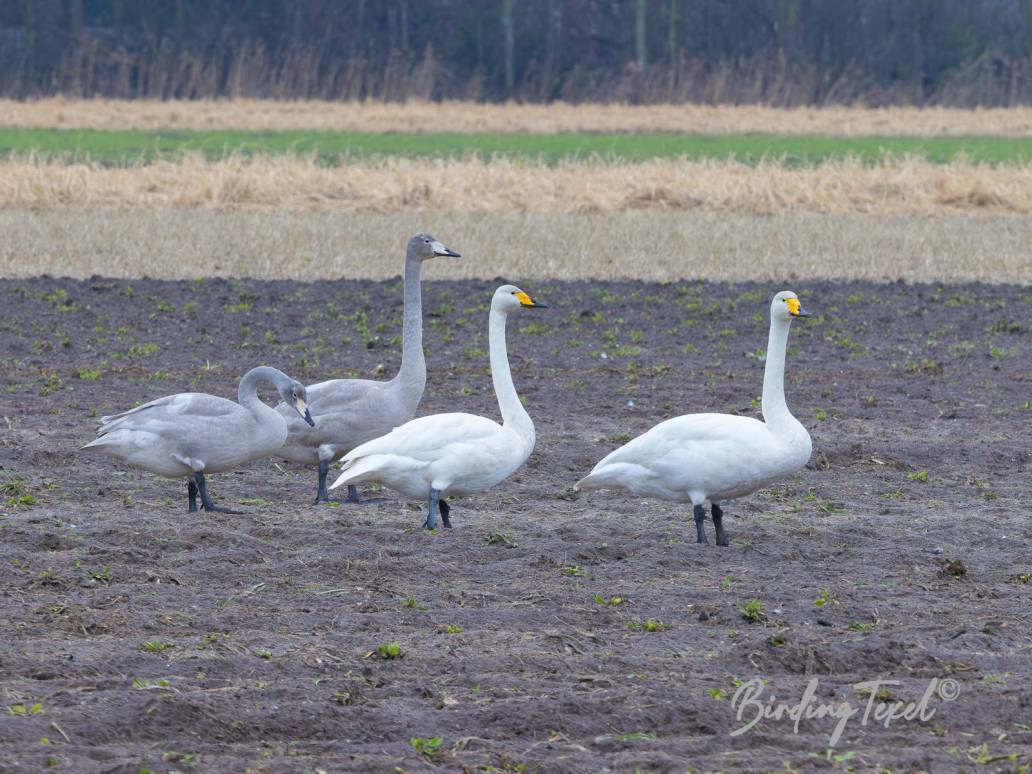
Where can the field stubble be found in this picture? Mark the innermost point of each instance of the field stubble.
(652, 245)
(892, 186)
(422, 116)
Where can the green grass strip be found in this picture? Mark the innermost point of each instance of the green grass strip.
(127, 147)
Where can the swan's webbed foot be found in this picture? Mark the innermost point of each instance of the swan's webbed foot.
(206, 502)
(433, 507)
(445, 509)
(191, 494)
(699, 512)
(718, 524)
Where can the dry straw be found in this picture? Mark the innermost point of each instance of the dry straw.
(907, 186)
(421, 116)
(648, 245)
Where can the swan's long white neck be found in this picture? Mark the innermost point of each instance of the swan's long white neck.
(775, 410)
(411, 378)
(514, 416)
(247, 392)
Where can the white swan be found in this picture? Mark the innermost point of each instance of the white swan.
(192, 433)
(716, 457)
(350, 412)
(443, 454)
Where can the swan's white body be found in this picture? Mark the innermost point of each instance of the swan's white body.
(192, 432)
(715, 457)
(454, 453)
(702, 457)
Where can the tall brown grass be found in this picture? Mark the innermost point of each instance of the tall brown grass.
(525, 247)
(423, 116)
(894, 186)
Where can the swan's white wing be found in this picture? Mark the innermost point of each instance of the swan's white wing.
(429, 437)
(690, 456)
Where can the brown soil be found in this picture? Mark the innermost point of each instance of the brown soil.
(910, 524)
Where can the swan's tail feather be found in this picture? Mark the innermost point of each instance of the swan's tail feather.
(353, 469)
(614, 475)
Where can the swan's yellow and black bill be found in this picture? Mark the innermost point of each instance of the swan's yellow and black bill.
(528, 302)
(795, 308)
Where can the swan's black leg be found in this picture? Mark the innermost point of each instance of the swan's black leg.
(432, 509)
(322, 495)
(354, 499)
(206, 502)
(191, 494)
(442, 504)
(718, 524)
(700, 516)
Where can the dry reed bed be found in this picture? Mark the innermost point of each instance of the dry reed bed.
(529, 247)
(421, 116)
(908, 186)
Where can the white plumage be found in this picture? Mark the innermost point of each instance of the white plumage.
(701, 458)
(432, 457)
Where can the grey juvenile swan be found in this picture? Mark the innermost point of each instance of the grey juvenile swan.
(192, 433)
(350, 412)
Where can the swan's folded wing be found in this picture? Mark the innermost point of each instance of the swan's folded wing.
(671, 451)
(428, 437)
(342, 395)
(197, 405)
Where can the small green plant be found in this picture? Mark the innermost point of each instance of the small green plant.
(389, 651)
(611, 601)
(825, 598)
(716, 693)
(142, 350)
(862, 626)
(101, 576)
(415, 604)
(777, 640)
(499, 539)
(638, 736)
(143, 684)
(155, 646)
(238, 308)
(820, 414)
(920, 475)
(25, 710)
(648, 625)
(752, 610)
(452, 629)
(427, 748)
(21, 501)
(573, 571)
(89, 374)
(263, 654)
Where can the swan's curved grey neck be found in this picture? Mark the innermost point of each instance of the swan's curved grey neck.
(411, 377)
(247, 392)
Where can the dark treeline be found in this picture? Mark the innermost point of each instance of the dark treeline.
(778, 52)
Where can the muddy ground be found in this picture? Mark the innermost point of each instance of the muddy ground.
(136, 636)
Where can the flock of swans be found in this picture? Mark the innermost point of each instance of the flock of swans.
(369, 427)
